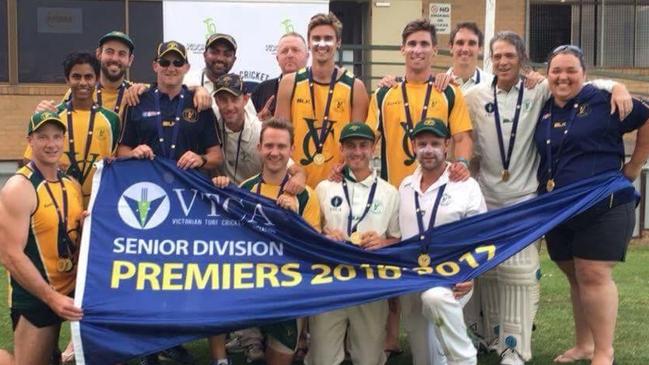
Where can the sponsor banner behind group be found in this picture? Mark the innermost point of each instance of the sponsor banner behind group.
(166, 258)
(256, 26)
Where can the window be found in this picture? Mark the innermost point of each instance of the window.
(48, 30)
(4, 50)
(145, 28)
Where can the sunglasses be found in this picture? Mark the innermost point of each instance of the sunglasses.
(166, 63)
(568, 48)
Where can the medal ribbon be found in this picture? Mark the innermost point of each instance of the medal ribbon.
(225, 145)
(62, 214)
(71, 146)
(506, 159)
(433, 216)
(171, 153)
(553, 165)
(281, 186)
(320, 139)
(120, 96)
(406, 104)
(370, 199)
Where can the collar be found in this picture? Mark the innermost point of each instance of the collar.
(416, 180)
(515, 88)
(166, 96)
(367, 182)
(477, 74)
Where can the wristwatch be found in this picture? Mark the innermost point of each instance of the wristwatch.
(463, 161)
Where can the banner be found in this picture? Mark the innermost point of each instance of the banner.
(192, 22)
(167, 258)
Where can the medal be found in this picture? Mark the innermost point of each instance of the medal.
(505, 175)
(549, 186)
(319, 159)
(423, 260)
(63, 263)
(355, 238)
(506, 155)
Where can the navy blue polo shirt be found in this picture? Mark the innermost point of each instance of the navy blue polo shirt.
(593, 144)
(196, 133)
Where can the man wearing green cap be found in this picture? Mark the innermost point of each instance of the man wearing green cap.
(40, 211)
(363, 210)
(433, 319)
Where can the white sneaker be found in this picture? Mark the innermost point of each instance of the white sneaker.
(511, 357)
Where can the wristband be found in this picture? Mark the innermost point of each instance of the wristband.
(204, 161)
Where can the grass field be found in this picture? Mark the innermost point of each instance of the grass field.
(554, 330)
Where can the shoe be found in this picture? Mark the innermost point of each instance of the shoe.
(221, 362)
(511, 357)
(178, 354)
(254, 353)
(149, 360)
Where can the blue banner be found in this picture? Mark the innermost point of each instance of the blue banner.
(167, 258)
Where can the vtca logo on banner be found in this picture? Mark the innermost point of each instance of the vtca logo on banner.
(143, 205)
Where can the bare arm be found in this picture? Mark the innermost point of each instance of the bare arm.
(17, 202)
(463, 143)
(360, 103)
(640, 153)
(284, 94)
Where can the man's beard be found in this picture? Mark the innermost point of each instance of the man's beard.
(111, 77)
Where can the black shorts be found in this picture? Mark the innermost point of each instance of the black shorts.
(601, 233)
(38, 316)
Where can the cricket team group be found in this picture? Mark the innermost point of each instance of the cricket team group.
(428, 148)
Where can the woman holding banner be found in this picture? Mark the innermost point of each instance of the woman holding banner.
(579, 137)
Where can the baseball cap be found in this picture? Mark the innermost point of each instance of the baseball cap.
(119, 36)
(357, 130)
(229, 82)
(40, 119)
(433, 125)
(221, 37)
(172, 46)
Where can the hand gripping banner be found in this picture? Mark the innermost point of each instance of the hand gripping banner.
(167, 258)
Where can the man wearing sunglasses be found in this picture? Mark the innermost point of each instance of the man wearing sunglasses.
(165, 123)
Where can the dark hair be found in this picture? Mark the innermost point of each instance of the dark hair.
(274, 123)
(516, 41)
(80, 58)
(571, 50)
(419, 25)
(326, 19)
(472, 26)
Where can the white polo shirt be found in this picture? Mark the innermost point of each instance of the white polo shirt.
(479, 77)
(248, 162)
(460, 200)
(202, 80)
(383, 214)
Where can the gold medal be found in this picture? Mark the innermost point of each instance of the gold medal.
(68, 265)
(355, 238)
(423, 260)
(318, 159)
(505, 175)
(61, 264)
(549, 186)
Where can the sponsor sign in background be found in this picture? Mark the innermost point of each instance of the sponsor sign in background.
(440, 16)
(256, 26)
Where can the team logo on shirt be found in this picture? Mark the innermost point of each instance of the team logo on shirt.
(336, 201)
(190, 115)
(446, 200)
(406, 145)
(314, 135)
(489, 107)
(583, 110)
(376, 208)
(339, 105)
